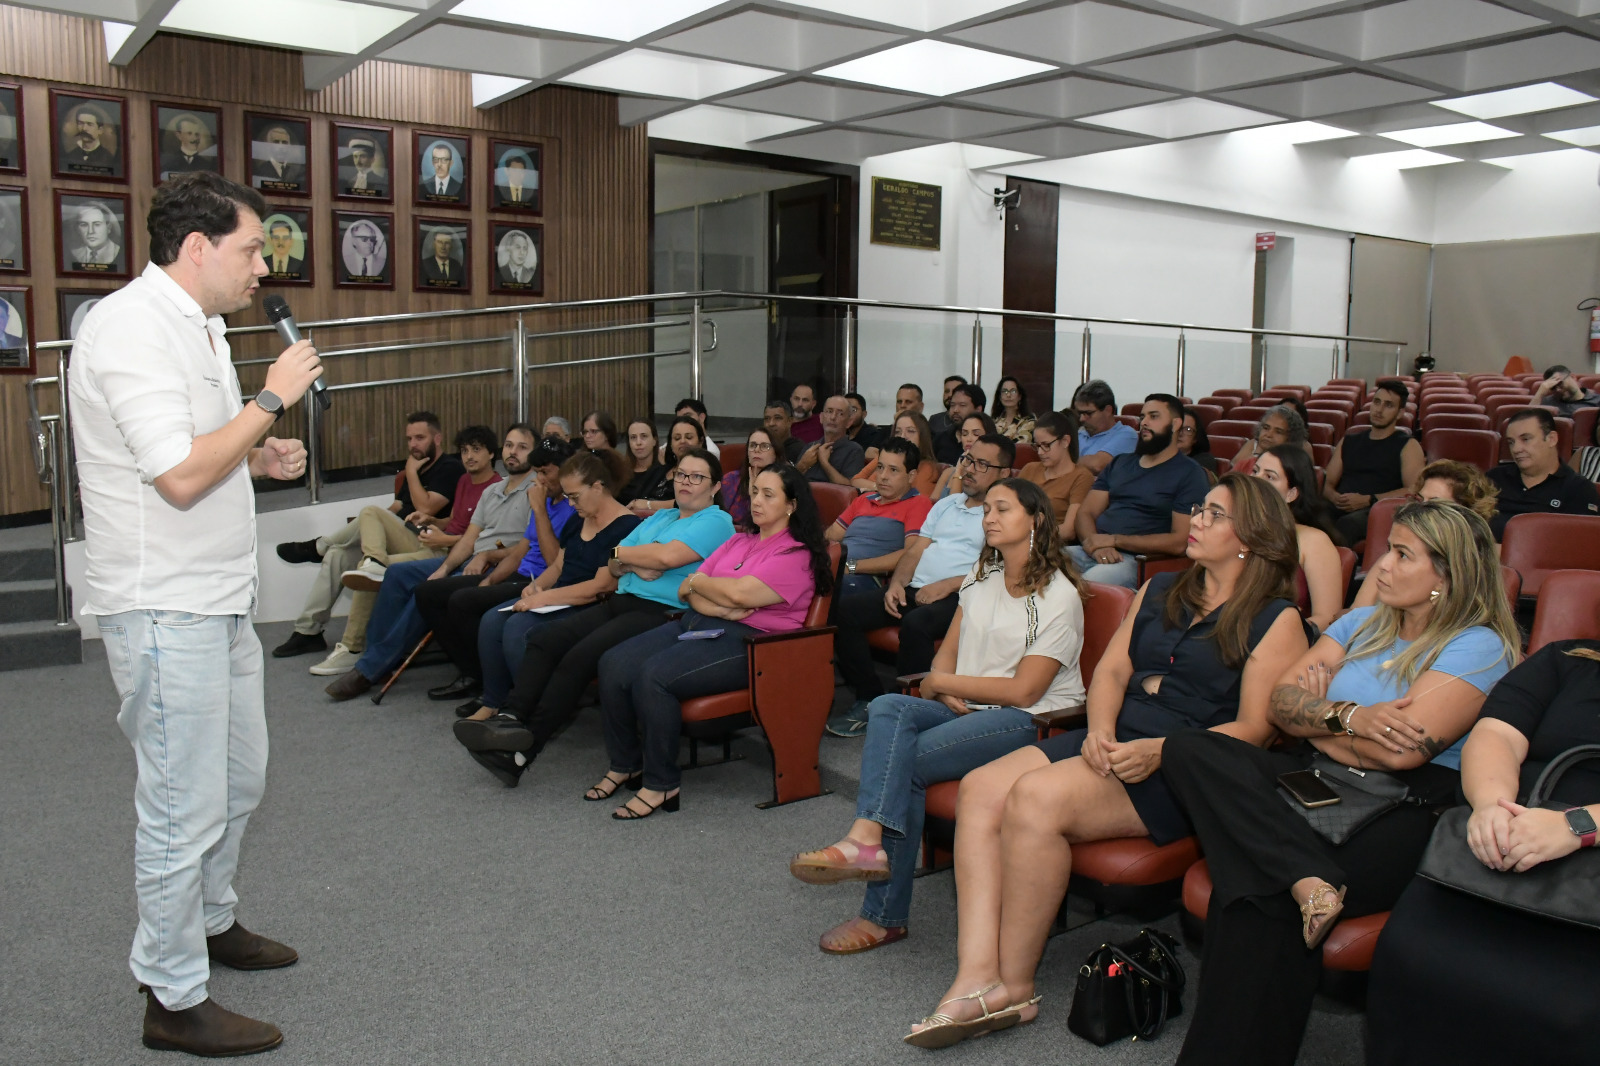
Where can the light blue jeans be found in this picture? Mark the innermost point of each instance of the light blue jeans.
(1125, 573)
(910, 744)
(193, 708)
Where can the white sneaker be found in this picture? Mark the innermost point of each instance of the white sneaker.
(368, 577)
(341, 661)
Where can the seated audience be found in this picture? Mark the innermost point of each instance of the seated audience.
(736, 484)
(757, 582)
(1011, 651)
(489, 544)
(1141, 502)
(859, 429)
(428, 487)
(1561, 390)
(647, 473)
(777, 419)
(1445, 956)
(684, 436)
(920, 597)
(556, 426)
(1536, 481)
(1369, 466)
(599, 430)
(969, 431)
(807, 425)
(1391, 688)
(908, 426)
(965, 401)
(577, 577)
(835, 457)
(1101, 436)
(1011, 415)
(1319, 583)
(1586, 460)
(689, 407)
(877, 527)
(1200, 648)
(563, 656)
(1193, 442)
(1066, 481)
(941, 419)
(1280, 425)
(1453, 482)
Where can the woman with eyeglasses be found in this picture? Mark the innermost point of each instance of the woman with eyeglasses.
(1055, 438)
(1010, 411)
(646, 470)
(913, 427)
(762, 581)
(969, 432)
(563, 656)
(575, 578)
(685, 435)
(759, 454)
(1320, 585)
(1193, 442)
(599, 430)
(1199, 648)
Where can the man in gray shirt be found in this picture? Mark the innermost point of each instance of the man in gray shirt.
(835, 457)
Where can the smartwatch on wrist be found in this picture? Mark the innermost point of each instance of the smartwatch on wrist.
(1581, 822)
(270, 402)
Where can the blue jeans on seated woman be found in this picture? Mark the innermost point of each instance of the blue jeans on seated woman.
(912, 743)
(502, 638)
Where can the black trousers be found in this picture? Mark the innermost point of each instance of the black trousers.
(859, 613)
(1259, 979)
(452, 607)
(563, 657)
(1352, 525)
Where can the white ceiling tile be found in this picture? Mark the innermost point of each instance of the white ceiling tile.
(1060, 142)
(937, 68)
(616, 20)
(746, 125)
(1328, 95)
(1244, 12)
(640, 70)
(912, 14)
(1586, 136)
(781, 41)
(845, 146)
(632, 110)
(1450, 133)
(947, 123)
(478, 48)
(1579, 8)
(1408, 26)
(817, 100)
(1067, 97)
(308, 25)
(1511, 149)
(1083, 32)
(1216, 66)
(1187, 117)
(1525, 99)
(1509, 63)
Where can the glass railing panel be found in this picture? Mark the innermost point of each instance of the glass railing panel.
(1301, 361)
(1371, 361)
(1134, 360)
(894, 347)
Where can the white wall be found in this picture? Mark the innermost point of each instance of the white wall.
(1552, 194)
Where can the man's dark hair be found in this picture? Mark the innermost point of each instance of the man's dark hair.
(911, 385)
(788, 412)
(552, 451)
(482, 436)
(201, 202)
(1398, 388)
(858, 398)
(1007, 446)
(1547, 421)
(1096, 392)
(907, 448)
(1551, 372)
(1173, 405)
(953, 377)
(425, 416)
(529, 430)
(973, 393)
(692, 404)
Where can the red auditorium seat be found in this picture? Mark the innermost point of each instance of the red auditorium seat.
(1379, 520)
(1321, 454)
(1320, 433)
(1480, 447)
(1131, 421)
(1583, 427)
(1536, 544)
(1452, 420)
(1235, 427)
(1569, 608)
(1026, 453)
(831, 500)
(1134, 409)
(1226, 447)
(1243, 394)
(1299, 392)
(732, 457)
(1497, 405)
(1335, 420)
(1349, 945)
(1251, 411)
(1207, 413)
(1359, 384)
(1227, 403)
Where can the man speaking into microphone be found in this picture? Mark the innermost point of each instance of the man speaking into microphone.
(166, 449)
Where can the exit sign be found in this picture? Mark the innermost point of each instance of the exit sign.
(1266, 242)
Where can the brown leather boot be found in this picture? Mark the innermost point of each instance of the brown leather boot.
(206, 1029)
(241, 949)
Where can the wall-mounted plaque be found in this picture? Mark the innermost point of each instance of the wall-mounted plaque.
(443, 175)
(905, 213)
(73, 306)
(517, 177)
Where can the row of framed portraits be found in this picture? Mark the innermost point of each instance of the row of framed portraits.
(89, 142)
(16, 322)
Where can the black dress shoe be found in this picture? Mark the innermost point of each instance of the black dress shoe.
(300, 644)
(502, 764)
(503, 732)
(240, 949)
(299, 551)
(207, 1029)
(455, 690)
(349, 686)
(468, 709)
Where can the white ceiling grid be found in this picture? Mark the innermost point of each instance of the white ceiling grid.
(843, 79)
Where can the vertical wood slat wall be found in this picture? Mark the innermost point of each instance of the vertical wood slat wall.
(596, 227)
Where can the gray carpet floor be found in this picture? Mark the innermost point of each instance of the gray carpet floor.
(442, 918)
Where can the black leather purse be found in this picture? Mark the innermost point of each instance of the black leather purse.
(1566, 889)
(1363, 796)
(1128, 989)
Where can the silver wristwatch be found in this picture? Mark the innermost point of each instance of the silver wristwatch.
(270, 402)
(850, 566)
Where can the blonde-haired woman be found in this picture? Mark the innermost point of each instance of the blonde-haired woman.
(1391, 688)
(1445, 479)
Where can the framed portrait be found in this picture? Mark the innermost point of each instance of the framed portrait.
(444, 176)
(363, 256)
(444, 262)
(91, 234)
(280, 154)
(517, 264)
(72, 306)
(89, 136)
(517, 182)
(187, 139)
(363, 160)
(13, 229)
(12, 144)
(288, 250)
(16, 329)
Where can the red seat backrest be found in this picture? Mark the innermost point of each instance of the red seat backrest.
(831, 500)
(1536, 544)
(1379, 521)
(1470, 408)
(1243, 394)
(732, 457)
(1321, 454)
(1026, 453)
(1102, 614)
(1569, 608)
(1207, 413)
(1320, 433)
(1234, 427)
(1479, 447)
(1583, 427)
(1131, 421)
(1134, 409)
(1227, 403)
(1453, 420)
(1226, 447)
(1335, 420)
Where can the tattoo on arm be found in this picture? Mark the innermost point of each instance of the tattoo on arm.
(1293, 706)
(1433, 746)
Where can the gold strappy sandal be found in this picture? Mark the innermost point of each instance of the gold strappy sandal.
(941, 1030)
(1325, 903)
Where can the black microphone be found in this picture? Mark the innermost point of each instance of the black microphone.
(279, 315)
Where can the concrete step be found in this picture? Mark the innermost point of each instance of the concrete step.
(24, 645)
(28, 601)
(26, 564)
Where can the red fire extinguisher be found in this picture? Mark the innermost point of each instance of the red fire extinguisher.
(1592, 306)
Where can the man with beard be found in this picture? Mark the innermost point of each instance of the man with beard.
(427, 485)
(964, 400)
(807, 424)
(1561, 390)
(941, 418)
(1140, 503)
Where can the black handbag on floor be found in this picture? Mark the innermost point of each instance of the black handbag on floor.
(1363, 796)
(1128, 989)
(1566, 889)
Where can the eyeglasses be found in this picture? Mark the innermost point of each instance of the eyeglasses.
(981, 466)
(1082, 414)
(1185, 429)
(691, 479)
(757, 446)
(1040, 445)
(571, 497)
(1207, 515)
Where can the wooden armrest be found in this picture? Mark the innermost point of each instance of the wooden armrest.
(1062, 718)
(790, 634)
(906, 681)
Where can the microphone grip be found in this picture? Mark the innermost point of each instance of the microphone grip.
(291, 335)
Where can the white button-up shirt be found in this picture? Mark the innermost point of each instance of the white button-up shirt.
(149, 373)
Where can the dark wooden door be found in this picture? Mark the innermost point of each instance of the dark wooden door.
(806, 245)
(1028, 346)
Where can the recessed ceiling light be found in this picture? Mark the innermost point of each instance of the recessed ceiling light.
(936, 68)
(1585, 137)
(1294, 133)
(1521, 101)
(616, 20)
(661, 74)
(1186, 117)
(309, 25)
(1452, 133)
(1407, 160)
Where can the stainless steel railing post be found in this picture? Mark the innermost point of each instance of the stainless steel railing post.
(1333, 371)
(850, 348)
(1083, 372)
(1397, 354)
(694, 351)
(313, 445)
(977, 349)
(58, 518)
(519, 371)
(1182, 363)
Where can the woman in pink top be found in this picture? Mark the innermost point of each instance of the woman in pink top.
(761, 582)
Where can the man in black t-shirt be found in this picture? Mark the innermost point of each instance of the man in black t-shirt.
(427, 484)
(1561, 390)
(1536, 481)
(1373, 465)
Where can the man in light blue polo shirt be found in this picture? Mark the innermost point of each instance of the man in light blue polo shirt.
(1101, 438)
(921, 598)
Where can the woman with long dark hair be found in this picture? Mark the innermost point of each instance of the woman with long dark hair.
(1320, 583)
(759, 454)
(646, 470)
(1010, 411)
(685, 435)
(760, 582)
